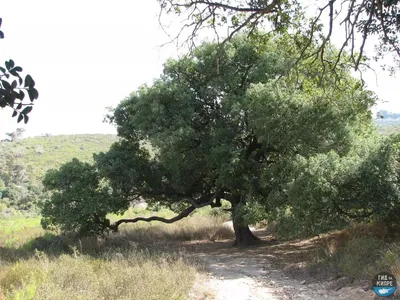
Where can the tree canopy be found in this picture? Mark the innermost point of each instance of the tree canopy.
(218, 129)
(307, 22)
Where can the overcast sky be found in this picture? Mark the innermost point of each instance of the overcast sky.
(85, 55)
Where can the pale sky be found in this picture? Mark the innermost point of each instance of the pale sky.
(85, 55)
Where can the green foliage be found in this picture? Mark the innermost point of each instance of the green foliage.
(330, 191)
(221, 123)
(79, 200)
(13, 89)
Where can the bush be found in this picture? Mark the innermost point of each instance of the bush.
(330, 191)
(79, 202)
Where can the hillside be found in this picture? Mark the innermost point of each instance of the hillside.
(23, 163)
(39, 154)
(389, 126)
(388, 122)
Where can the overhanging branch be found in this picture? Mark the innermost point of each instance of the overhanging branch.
(186, 212)
(180, 216)
(361, 19)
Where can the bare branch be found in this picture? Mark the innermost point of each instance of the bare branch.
(269, 8)
(363, 18)
(365, 33)
(186, 212)
(180, 216)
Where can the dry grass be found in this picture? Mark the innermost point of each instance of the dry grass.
(118, 275)
(189, 229)
(359, 251)
(136, 263)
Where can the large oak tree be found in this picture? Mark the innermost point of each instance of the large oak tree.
(218, 129)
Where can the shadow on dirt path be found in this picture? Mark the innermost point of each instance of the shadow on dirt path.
(261, 272)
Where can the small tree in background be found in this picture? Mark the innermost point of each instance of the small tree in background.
(79, 201)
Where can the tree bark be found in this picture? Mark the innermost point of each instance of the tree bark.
(243, 235)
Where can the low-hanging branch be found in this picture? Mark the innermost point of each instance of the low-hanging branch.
(186, 212)
(180, 216)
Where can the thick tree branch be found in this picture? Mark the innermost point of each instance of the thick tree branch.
(264, 10)
(201, 202)
(180, 216)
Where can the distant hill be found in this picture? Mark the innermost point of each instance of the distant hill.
(23, 164)
(387, 122)
(39, 154)
(388, 128)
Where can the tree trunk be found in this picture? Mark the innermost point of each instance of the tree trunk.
(243, 235)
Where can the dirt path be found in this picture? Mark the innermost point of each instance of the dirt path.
(235, 278)
(255, 274)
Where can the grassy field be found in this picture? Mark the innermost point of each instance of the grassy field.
(146, 260)
(133, 264)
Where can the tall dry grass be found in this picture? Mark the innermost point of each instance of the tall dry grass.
(132, 264)
(359, 252)
(189, 229)
(115, 275)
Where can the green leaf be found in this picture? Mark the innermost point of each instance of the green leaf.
(26, 119)
(20, 117)
(33, 94)
(21, 95)
(19, 106)
(10, 64)
(6, 85)
(14, 113)
(28, 80)
(235, 21)
(27, 110)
